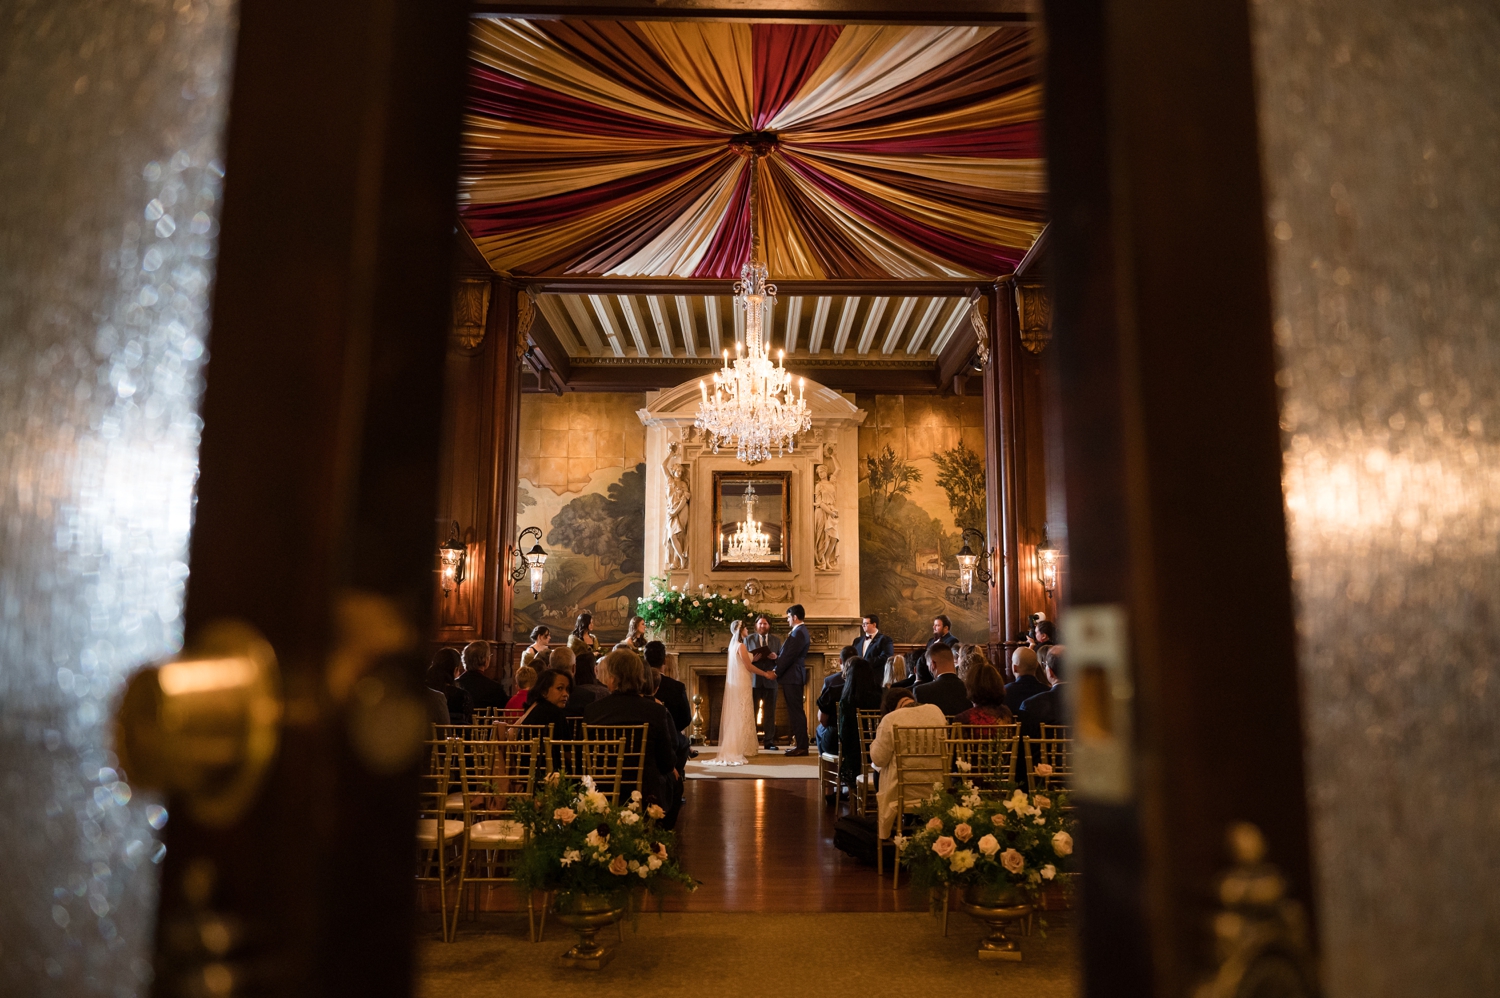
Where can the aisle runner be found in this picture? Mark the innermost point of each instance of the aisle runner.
(765, 766)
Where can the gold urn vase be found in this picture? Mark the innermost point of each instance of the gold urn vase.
(996, 905)
(586, 914)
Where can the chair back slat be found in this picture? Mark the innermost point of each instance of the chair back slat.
(1056, 753)
(920, 758)
(617, 760)
(984, 755)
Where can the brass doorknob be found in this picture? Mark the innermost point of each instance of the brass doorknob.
(204, 726)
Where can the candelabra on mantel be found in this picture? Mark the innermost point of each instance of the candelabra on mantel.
(751, 404)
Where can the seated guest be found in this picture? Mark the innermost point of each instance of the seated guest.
(445, 668)
(861, 692)
(635, 635)
(827, 735)
(1045, 708)
(581, 639)
(437, 707)
(900, 710)
(547, 702)
(1043, 634)
(483, 691)
(946, 690)
(541, 639)
(895, 671)
(661, 781)
(971, 657)
(670, 693)
(586, 678)
(986, 689)
(1024, 664)
(561, 659)
(525, 680)
(682, 745)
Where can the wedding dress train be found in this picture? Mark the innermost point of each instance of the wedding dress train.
(737, 741)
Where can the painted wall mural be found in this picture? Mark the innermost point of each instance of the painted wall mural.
(582, 480)
(921, 482)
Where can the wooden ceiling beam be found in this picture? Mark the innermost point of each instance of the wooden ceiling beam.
(571, 285)
(941, 12)
(647, 376)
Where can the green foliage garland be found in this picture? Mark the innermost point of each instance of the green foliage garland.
(666, 605)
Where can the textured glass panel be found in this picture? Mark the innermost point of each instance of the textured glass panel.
(1381, 121)
(111, 114)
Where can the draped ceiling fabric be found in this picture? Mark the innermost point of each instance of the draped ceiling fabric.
(619, 148)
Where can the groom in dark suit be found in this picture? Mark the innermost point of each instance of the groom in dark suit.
(791, 675)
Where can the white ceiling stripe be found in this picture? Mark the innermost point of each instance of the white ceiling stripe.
(685, 325)
(585, 324)
(793, 320)
(819, 320)
(898, 324)
(551, 308)
(925, 323)
(872, 323)
(846, 322)
(633, 320)
(711, 307)
(663, 327)
(607, 322)
(960, 310)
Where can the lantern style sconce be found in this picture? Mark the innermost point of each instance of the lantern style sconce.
(1046, 565)
(452, 554)
(530, 561)
(968, 564)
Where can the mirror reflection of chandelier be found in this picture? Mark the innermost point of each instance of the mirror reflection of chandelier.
(749, 542)
(751, 404)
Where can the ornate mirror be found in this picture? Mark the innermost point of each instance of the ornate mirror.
(752, 520)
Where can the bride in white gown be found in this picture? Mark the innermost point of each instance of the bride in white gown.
(737, 742)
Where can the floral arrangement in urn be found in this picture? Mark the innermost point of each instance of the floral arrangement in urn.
(665, 606)
(1015, 843)
(581, 845)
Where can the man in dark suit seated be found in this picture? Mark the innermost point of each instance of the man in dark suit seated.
(1045, 708)
(828, 704)
(661, 780)
(873, 646)
(669, 692)
(1024, 664)
(946, 690)
(482, 690)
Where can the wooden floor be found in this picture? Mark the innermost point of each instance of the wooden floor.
(767, 846)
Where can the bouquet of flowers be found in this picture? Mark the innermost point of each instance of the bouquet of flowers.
(580, 844)
(666, 605)
(1017, 840)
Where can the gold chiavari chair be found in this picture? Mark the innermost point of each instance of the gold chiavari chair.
(1056, 753)
(616, 758)
(829, 764)
(497, 774)
(868, 780)
(1056, 731)
(439, 838)
(985, 755)
(920, 762)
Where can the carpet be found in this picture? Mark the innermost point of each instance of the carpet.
(682, 955)
(765, 766)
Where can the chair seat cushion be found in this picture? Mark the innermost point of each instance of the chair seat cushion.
(454, 802)
(427, 830)
(497, 834)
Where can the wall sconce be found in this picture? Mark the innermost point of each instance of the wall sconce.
(968, 565)
(530, 561)
(1046, 565)
(452, 554)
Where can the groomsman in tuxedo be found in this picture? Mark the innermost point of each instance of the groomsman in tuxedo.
(764, 689)
(791, 674)
(872, 646)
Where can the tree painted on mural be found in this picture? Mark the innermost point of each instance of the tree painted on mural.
(889, 476)
(961, 476)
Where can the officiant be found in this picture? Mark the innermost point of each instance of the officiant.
(764, 647)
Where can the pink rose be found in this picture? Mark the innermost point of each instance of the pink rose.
(655, 812)
(944, 846)
(963, 832)
(660, 849)
(935, 824)
(1041, 802)
(1012, 861)
(989, 845)
(1042, 769)
(1062, 844)
(564, 814)
(997, 820)
(618, 866)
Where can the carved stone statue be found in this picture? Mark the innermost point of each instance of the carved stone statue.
(678, 497)
(826, 512)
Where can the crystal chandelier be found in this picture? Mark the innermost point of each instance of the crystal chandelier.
(752, 404)
(749, 542)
